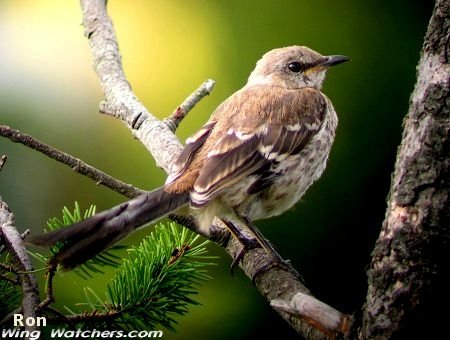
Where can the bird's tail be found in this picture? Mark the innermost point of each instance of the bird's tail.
(87, 238)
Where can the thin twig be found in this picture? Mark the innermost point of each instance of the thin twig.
(14, 281)
(7, 268)
(174, 120)
(25, 234)
(2, 161)
(98, 176)
(77, 165)
(61, 317)
(87, 317)
(48, 288)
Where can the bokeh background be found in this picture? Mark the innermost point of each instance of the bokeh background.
(49, 90)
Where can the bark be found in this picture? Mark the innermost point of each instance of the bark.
(10, 237)
(411, 254)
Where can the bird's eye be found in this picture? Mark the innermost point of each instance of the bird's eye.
(295, 67)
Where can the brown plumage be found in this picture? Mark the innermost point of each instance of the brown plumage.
(249, 111)
(255, 157)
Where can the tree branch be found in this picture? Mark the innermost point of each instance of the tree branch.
(7, 268)
(14, 281)
(84, 317)
(13, 241)
(49, 298)
(181, 111)
(3, 161)
(100, 177)
(315, 312)
(77, 165)
(411, 252)
(273, 281)
(120, 101)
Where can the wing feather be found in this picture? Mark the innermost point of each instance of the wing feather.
(257, 156)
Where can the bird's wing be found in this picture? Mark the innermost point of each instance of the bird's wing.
(269, 128)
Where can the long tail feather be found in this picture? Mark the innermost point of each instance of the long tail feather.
(87, 238)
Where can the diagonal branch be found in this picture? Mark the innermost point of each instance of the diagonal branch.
(3, 161)
(181, 111)
(76, 164)
(272, 280)
(120, 101)
(84, 317)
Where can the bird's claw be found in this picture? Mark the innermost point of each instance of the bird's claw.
(247, 244)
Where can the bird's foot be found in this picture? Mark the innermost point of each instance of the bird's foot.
(247, 244)
(258, 241)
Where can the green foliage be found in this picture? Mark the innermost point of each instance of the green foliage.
(9, 292)
(155, 283)
(10, 298)
(150, 288)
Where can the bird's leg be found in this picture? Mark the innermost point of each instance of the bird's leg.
(247, 242)
(277, 261)
(260, 237)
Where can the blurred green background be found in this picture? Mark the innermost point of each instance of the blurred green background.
(49, 90)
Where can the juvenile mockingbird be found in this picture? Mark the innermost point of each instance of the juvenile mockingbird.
(254, 158)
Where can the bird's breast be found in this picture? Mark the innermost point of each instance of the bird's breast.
(294, 175)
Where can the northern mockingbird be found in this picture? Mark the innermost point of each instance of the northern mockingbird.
(254, 158)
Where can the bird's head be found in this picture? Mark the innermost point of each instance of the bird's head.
(293, 67)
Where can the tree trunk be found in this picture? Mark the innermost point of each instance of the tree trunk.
(406, 282)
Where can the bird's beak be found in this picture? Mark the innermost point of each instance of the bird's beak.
(332, 60)
(327, 62)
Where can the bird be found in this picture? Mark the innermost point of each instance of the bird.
(255, 157)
